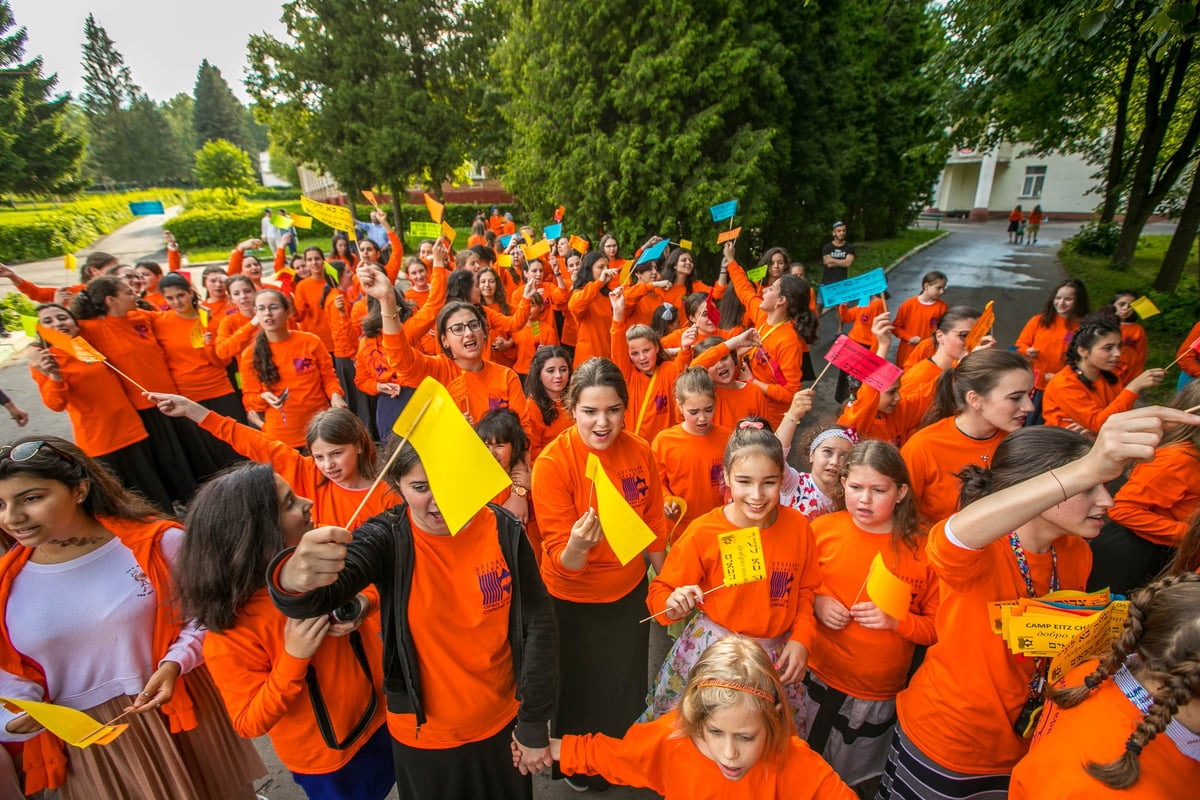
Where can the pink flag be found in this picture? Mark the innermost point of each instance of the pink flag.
(857, 361)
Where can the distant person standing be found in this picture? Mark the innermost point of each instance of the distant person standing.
(1014, 224)
(1036, 218)
(837, 256)
(270, 234)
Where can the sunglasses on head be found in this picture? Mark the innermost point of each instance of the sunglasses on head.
(27, 450)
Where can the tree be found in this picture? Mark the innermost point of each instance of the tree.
(178, 113)
(217, 114)
(131, 140)
(223, 165)
(371, 92)
(39, 153)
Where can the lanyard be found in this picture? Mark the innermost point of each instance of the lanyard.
(637, 425)
(1037, 683)
(776, 371)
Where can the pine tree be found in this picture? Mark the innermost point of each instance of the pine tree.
(38, 152)
(217, 114)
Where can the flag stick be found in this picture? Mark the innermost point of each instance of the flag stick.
(860, 589)
(660, 613)
(126, 377)
(813, 385)
(883, 299)
(388, 465)
(1192, 410)
(1173, 363)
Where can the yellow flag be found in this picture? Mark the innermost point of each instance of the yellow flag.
(436, 210)
(1144, 307)
(683, 507)
(579, 244)
(449, 232)
(85, 352)
(301, 221)
(73, 727)
(30, 326)
(204, 315)
(533, 251)
(686, 244)
(627, 533)
(741, 556)
(892, 595)
(70, 262)
(503, 260)
(450, 449)
(336, 217)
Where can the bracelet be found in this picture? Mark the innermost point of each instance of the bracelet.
(789, 419)
(1060, 484)
(393, 315)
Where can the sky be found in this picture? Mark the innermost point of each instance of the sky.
(162, 41)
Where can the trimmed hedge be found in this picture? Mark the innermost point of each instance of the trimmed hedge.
(72, 225)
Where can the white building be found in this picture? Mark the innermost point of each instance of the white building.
(982, 185)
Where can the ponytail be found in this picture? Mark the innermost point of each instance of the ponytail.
(977, 372)
(798, 294)
(90, 302)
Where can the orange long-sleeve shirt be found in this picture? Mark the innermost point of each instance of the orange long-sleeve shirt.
(692, 467)
(915, 317)
(1133, 351)
(934, 455)
(651, 406)
(563, 493)
(371, 367)
(862, 413)
(653, 756)
(310, 312)
(102, 418)
(592, 313)
(306, 370)
(128, 342)
(476, 393)
(198, 371)
(1096, 731)
(781, 604)
(1068, 398)
(265, 692)
(43, 294)
(543, 433)
(960, 706)
(777, 362)
(1189, 359)
(920, 381)
(920, 351)
(345, 340)
(870, 664)
(332, 504)
(234, 334)
(733, 403)
(1161, 495)
(861, 318)
(1051, 344)
(528, 342)
(640, 301)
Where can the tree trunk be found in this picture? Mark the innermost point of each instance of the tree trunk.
(398, 196)
(1181, 243)
(1115, 172)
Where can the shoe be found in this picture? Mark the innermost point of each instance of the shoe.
(571, 781)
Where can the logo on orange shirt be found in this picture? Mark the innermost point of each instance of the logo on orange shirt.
(634, 488)
(497, 401)
(660, 404)
(142, 330)
(716, 474)
(781, 583)
(303, 365)
(495, 585)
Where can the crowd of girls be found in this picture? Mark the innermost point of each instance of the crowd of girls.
(318, 598)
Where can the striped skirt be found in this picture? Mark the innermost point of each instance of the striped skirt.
(912, 775)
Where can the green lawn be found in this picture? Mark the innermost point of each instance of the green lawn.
(1164, 331)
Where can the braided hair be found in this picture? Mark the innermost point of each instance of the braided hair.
(263, 362)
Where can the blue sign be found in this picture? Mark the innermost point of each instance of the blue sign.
(146, 207)
(723, 211)
(853, 289)
(653, 251)
(553, 231)
(504, 240)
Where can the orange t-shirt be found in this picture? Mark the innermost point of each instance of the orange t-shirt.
(129, 343)
(234, 334)
(310, 313)
(563, 493)
(919, 352)
(1096, 731)
(914, 317)
(862, 414)
(779, 605)
(475, 393)
(654, 756)
(1133, 351)
(332, 504)
(528, 342)
(734, 403)
(1188, 358)
(1051, 344)
(371, 367)
(542, 432)
(265, 692)
(641, 299)
(458, 619)
(306, 371)
(862, 317)
(101, 416)
(934, 455)
(1068, 398)
(920, 381)
(960, 706)
(777, 363)
(345, 339)
(198, 371)
(592, 313)
(651, 406)
(869, 664)
(1161, 495)
(692, 467)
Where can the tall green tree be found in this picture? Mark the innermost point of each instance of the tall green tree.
(216, 113)
(372, 92)
(39, 153)
(130, 138)
(178, 113)
(225, 166)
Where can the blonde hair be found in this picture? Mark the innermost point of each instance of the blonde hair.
(736, 671)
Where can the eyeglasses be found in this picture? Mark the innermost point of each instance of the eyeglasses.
(460, 328)
(27, 450)
(271, 309)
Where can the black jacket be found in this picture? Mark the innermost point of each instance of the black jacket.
(382, 554)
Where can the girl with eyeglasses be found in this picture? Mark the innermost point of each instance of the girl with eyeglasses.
(90, 622)
(287, 376)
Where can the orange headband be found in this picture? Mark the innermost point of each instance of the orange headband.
(737, 687)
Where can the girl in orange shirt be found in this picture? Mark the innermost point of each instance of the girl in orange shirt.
(736, 398)
(701, 314)
(287, 376)
(191, 352)
(680, 271)
(887, 416)
(590, 307)
(862, 655)
(368, 253)
(918, 317)
(1088, 391)
(597, 599)
(1128, 726)
(538, 333)
(1045, 338)
(236, 330)
(312, 685)
(307, 298)
(977, 404)
(244, 262)
(950, 337)
(491, 296)
(776, 610)
(545, 386)
(730, 737)
(1022, 532)
(150, 274)
(1133, 337)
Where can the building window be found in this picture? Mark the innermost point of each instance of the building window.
(1035, 179)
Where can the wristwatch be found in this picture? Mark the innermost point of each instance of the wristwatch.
(520, 491)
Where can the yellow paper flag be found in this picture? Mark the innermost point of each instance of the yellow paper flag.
(624, 267)
(686, 244)
(204, 315)
(626, 532)
(741, 556)
(449, 449)
(728, 235)
(85, 352)
(1144, 307)
(503, 260)
(579, 244)
(683, 506)
(449, 232)
(982, 327)
(892, 595)
(371, 198)
(301, 221)
(30, 326)
(70, 262)
(73, 727)
(535, 251)
(336, 217)
(436, 210)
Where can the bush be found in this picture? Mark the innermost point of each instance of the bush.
(1095, 239)
(208, 228)
(12, 306)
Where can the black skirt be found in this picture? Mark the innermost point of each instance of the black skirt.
(481, 769)
(169, 458)
(135, 467)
